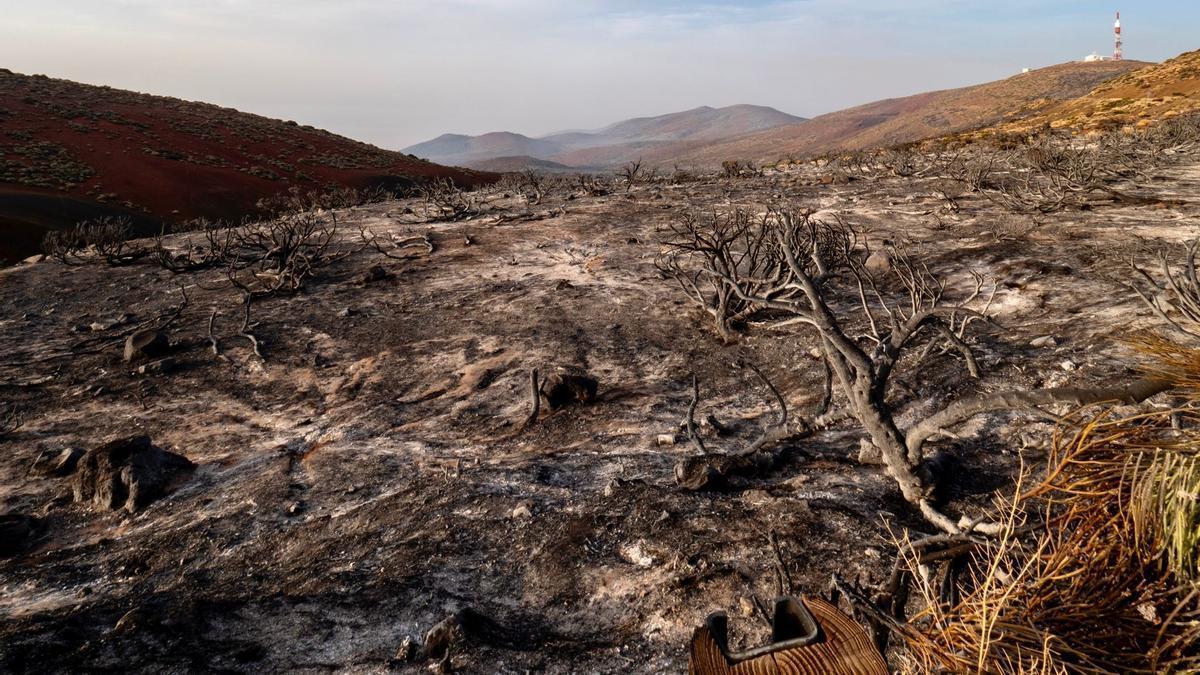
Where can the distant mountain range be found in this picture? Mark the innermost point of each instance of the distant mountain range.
(611, 145)
(704, 137)
(71, 151)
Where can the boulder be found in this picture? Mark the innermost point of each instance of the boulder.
(373, 274)
(879, 263)
(16, 531)
(127, 473)
(150, 344)
(567, 385)
(62, 464)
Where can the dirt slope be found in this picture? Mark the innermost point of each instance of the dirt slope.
(70, 150)
(520, 163)
(912, 118)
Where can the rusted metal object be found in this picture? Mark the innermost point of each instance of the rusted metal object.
(809, 637)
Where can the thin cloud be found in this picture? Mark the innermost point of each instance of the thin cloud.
(397, 72)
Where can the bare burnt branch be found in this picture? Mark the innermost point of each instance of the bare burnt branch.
(278, 256)
(397, 246)
(214, 249)
(711, 470)
(247, 327)
(108, 238)
(1174, 296)
(634, 173)
(901, 305)
(733, 243)
(445, 201)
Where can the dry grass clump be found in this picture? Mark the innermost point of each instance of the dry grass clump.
(1096, 567)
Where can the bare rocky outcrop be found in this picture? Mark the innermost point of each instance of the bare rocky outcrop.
(127, 473)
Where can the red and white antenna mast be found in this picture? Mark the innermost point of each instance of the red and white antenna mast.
(1117, 53)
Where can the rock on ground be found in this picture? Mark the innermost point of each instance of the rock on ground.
(126, 473)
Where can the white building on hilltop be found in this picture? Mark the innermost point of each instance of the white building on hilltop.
(1118, 46)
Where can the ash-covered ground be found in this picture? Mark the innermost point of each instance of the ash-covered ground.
(371, 474)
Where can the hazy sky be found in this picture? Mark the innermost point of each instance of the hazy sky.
(394, 72)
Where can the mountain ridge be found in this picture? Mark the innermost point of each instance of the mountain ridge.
(910, 118)
(703, 123)
(704, 137)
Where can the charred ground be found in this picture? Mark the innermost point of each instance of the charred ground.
(370, 474)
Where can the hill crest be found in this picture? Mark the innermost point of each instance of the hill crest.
(70, 151)
(910, 118)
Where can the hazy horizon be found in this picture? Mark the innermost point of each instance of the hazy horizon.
(397, 73)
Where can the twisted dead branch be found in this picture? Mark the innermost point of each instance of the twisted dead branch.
(278, 256)
(106, 237)
(214, 345)
(731, 243)
(445, 201)
(393, 251)
(712, 470)
(246, 328)
(1176, 297)
(215, 249)
(804, 269)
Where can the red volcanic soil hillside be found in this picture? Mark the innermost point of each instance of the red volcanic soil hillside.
(71, 151)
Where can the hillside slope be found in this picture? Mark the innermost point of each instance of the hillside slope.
(703, 123)
(907, 119)
(614, 144)
(1139, 98)
(520, 163)
(70, 151)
